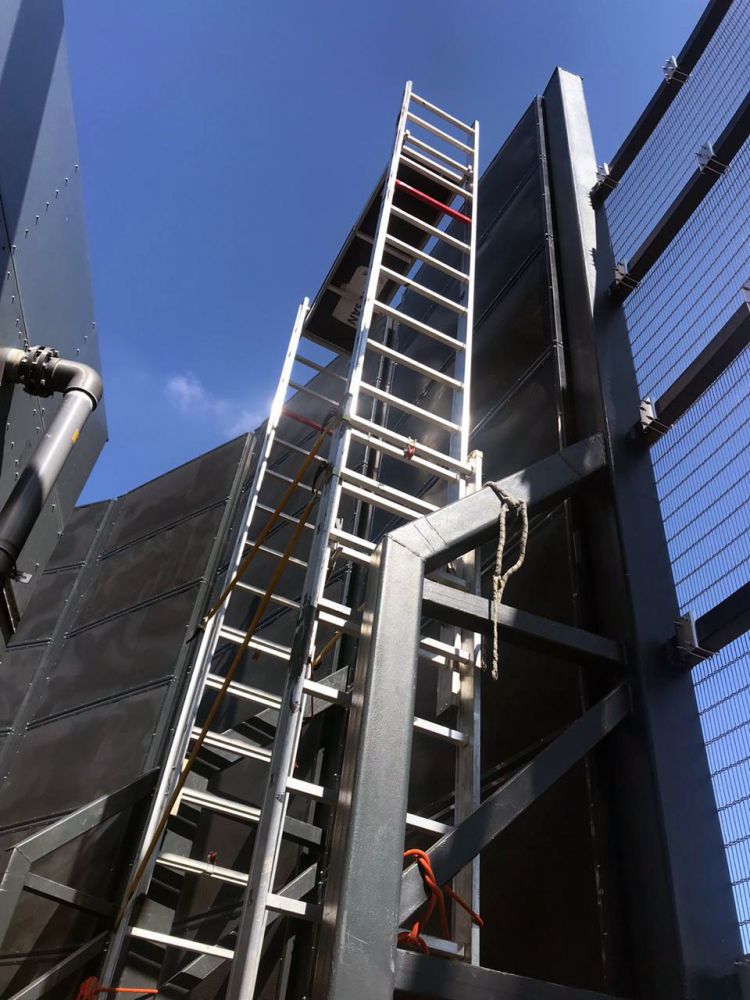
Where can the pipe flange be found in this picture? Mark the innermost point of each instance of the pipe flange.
(35, 370)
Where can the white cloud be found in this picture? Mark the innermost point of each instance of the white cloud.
(191, 398)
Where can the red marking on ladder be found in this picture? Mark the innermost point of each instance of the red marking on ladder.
(91, 987)
(416, 193)
(304, 420)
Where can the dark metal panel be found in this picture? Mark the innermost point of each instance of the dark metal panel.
(63, 971)
(190, 488)
(18, 672)
(76, 540)
(678, 899)
(657, 107)
(116, 736)
(421, 976)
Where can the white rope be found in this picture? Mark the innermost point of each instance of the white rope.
(499, 579)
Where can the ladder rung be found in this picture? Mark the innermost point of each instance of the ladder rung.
(442, 114)
(288, 479)
(285, 602)
(216, 803)
(278, 555)
(170, 941)
(232, 745)
(438, 132)
(451, 579)
(444, 650)
(430, 259)
(424, 291)
(244, 692)
(440, 732)
(420, 505)
(410, 408)
(418, 325)
(437, 153)
(309, 363)
(462, 192)
(368, 427)
(193, 866)
(312, 791)
(294, 907)
(445, 208)
(282, 443)
(324, 692)
(285, 517)
(261, 645)
(349, 554)
(438, 168)
(381, 502)
(344, 536)
(440, 946)
(430, 825)
(299, 387)
(401, 456)
(439, 654)
(440, 234)
(394, 253)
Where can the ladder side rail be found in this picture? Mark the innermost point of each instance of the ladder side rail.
(250, 935)
(178, 748)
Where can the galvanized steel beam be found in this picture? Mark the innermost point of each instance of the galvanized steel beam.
(471, 611)
(422, 975)
(456, 849)
(726, 622)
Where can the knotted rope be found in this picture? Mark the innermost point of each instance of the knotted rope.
(500, 579)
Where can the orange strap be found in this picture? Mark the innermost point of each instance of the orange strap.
(437, 899)
(91, 987)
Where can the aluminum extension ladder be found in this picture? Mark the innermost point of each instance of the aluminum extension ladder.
(389, 456)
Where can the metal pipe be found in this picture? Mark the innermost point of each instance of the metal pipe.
(42, 373)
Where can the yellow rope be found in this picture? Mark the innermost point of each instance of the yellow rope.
(198, 744)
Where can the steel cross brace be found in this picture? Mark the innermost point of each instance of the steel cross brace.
(420, 975)
(18, 874)
(361, 910)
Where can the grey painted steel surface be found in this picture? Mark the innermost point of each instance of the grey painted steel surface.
(45, 296)
(127, 583)
(421, 975)
(676, 885)
(361, 909)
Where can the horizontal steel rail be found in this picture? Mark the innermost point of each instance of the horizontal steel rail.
(657, 107)
(687, 201)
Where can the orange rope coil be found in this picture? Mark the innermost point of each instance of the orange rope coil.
(414, 937)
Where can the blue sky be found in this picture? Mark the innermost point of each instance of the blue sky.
(227, 146)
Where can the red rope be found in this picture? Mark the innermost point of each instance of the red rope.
(437, 899)
(304, 420)
(91, 987)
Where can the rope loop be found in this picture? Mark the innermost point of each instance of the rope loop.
(500, 579)
(414, 937)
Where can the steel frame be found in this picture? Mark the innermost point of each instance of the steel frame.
(677, 897)
(364, 882)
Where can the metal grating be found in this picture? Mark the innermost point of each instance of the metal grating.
(701, 465)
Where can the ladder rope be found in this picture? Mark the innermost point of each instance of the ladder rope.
(266, 530)
(437, 899)
(216, 704)
(500, 579)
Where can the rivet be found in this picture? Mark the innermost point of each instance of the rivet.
(57, 192)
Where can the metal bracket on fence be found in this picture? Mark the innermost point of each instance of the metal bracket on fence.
(689, 651)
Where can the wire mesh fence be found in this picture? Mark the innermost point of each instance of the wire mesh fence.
(702, 465)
